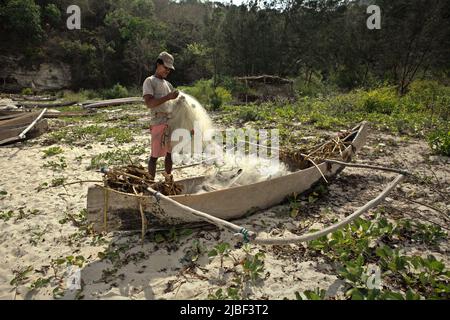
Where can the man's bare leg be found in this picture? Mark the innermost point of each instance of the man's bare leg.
(152, 167)
(168, 164)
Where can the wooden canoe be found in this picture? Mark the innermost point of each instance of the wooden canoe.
(11, 129)
(109, 210)
(18, 121)
(7, 115)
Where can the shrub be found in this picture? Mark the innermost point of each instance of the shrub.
(221, 96)
(201, 90)
(439, 141)
(206, 94)
(315, 87)
(118, 91)
(89, 94)
(27, 91)
(382, 100)
(429, 96)
(248, 114)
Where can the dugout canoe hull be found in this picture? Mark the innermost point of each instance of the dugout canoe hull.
(10, 129)
(110, 210)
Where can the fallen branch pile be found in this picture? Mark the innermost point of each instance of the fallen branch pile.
(136, 179)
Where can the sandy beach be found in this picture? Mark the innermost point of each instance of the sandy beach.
(41, 225)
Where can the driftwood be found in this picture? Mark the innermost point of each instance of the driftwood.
(53, 115)
(366, 166)
(29, 98)
(47, 105)
(32, 98)
(113, 102)
(48, 115)
(267, 79)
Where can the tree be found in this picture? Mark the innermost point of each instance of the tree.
(20, 23)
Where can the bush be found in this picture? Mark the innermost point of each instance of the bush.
(316, 87)
(221, 96)
(439, 141)
(249, 113)
(206, 94)
(429, 96)
(201, 90)
(118, 91)
(51, 14)
(27, 91)
(382, 100)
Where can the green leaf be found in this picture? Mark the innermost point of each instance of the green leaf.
(212, 253)
(410, 295)
(159, 238)
(294, 213)
(392, 296)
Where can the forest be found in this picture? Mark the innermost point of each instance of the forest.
(319, 42)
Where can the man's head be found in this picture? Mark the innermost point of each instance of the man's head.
(164, 64)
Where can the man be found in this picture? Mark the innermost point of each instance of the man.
(156, 92)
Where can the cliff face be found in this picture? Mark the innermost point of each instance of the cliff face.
(46, 76)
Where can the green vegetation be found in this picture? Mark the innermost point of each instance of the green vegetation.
(82, 135)
(363, 243)
(56, 182)
(171, 236)
(439, 142)
(250, 272)
(118, 91)
(27, 91)
(6, 215)
(116, 157)
(222, 250)
(20, 278)
(53, 151)
(58, 166)
(60, 267)
(382, 107)
(209, 95)
(20, 215)
(122, 38)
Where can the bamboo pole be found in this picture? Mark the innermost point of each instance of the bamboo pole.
(358, 165)
(315, 235)
(204, 216)
(252, 236)
(24, 132)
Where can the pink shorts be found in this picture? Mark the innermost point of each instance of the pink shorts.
(160, 140)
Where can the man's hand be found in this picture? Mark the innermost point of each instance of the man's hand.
(173, 95)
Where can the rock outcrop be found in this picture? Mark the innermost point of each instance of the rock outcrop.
(47, 76)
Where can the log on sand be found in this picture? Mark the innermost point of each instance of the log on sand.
(47, 105)
(113, 102)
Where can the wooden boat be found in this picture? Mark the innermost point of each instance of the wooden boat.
(27, 125)
(109, 209)
(6, 115)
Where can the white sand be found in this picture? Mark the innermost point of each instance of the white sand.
(156, 271)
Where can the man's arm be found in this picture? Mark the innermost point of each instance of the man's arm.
(152, 102)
